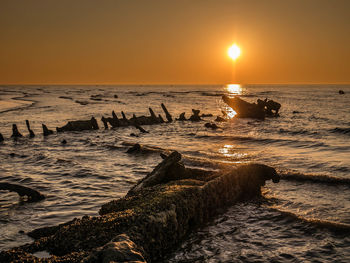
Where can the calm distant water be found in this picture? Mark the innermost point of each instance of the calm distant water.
(296, 221)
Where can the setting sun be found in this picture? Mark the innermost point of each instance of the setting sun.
(234, 51)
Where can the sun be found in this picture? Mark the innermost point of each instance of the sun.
(234, 51)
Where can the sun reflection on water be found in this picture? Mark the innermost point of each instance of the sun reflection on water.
(234, 89)
(228, 151)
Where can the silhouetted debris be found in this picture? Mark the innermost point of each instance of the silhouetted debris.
(46, 131)
(270, 107)
(15, 132)
(135, 148)
(1, 138)
(79, 125)
(341, 92)
(33, 195)
(31, 133)
(211, 125)
(64, 141)
(252, 110)
(206, 115)
(195, 115)
(220, 119)
(140, 129)
(115, 96)
(182, 117)
(167, 114)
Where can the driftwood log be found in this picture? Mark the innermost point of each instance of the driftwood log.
(151, 220)
(32, 195)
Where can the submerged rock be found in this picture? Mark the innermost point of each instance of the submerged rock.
(1, 138)
(341, 92)
(32, 195)
(152, 219)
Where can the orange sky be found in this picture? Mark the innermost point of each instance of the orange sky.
(168, 41)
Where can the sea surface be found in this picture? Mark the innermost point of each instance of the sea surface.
(304, 218)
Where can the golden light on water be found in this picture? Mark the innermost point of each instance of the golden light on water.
(229, 152)
(234, 51)
(233, 89)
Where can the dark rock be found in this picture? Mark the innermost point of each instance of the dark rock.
(135, 148)
(64, 141)
(115, 96)
(31, 133)
(1, 138)
(79, 125)
(341, 92)
(220, 119)
(46, 131)
(211, 125)
(33, 195)
(206, 115)
(12, 154)
(133, 135)
(15, 132)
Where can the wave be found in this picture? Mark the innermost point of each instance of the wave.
(314, 178)
(279, 141)
(341, 130)
(319, 223)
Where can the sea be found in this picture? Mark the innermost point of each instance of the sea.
(303, 218)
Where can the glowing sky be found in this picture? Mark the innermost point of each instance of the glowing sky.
(174, 41)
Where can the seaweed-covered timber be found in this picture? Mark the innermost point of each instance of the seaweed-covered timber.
(31, 133)
(252, 110)
(32, 195)
(15, 132)
(151, 220)
(1, 138)
(79, 125)
(46, 131)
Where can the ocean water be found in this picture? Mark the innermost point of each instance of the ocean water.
(304, 218)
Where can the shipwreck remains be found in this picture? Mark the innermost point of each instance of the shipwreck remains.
(32, 195)
(258, 110)
(79, 125)
(31, 133)
(151, 220)
(15, 133)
